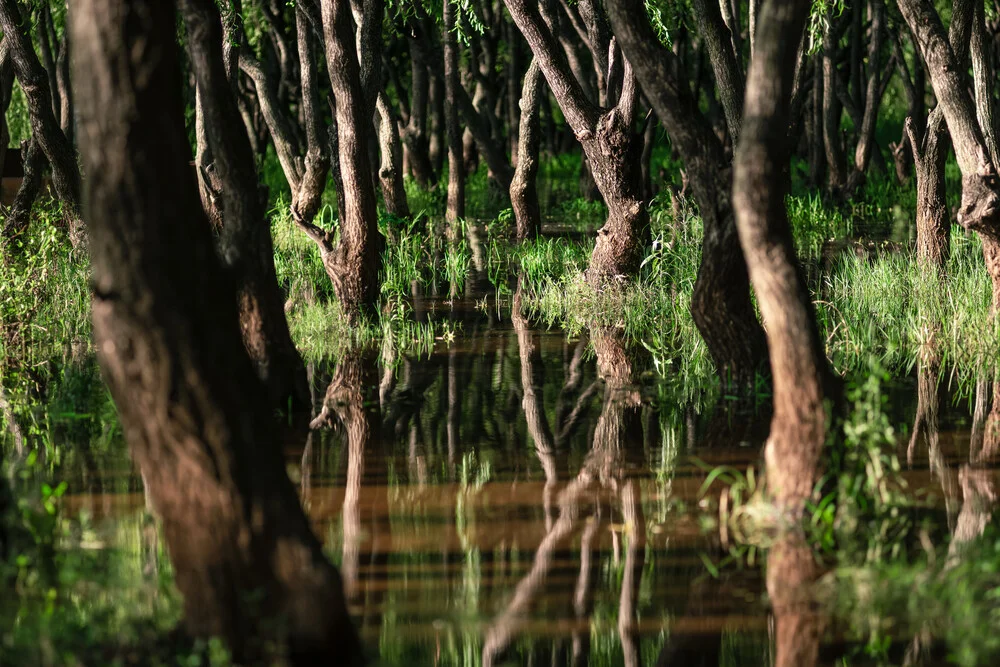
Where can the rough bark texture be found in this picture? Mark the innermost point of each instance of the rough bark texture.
(721, 303)
(612, 148)
(456, 165)
(245, 238)
(798, 361)
(933, 219)
(523, 188)
(355, 263)
(728, 75)
(44, 126)
(980, 207)
(390, 170)
(167, 334)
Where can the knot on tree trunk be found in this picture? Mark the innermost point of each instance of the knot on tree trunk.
(980, 208)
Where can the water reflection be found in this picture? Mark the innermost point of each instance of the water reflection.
(521, 497)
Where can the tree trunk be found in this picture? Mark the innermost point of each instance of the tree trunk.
(245, 237)
(523, 188)
(390, 171)
(933, 218)
(191, 406)
(872, 95)
(980, 207)
(456, 165)
(415, 132)
(19, 215)
(721, 303)
(355, 263)
(802, 379)
(833, 140)
(44, 126)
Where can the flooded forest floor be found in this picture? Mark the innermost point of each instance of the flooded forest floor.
(548, 474)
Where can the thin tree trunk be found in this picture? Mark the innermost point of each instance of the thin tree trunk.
(355, 263)
(19, 215)
(833, 140)
(191, 406)
(872, 97)
(245, 237)
(44, 126)
(456, 165)
(798, 361)
(523, 188)
(390, 171)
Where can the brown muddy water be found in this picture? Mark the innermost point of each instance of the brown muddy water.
(517, 499)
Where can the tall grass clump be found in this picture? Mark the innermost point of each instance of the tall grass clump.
(892, 306)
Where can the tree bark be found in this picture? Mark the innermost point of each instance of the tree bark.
(166, 329)
(390, 171)
(523, 188)
(980, 207)
(721, 303)
(802, 379)
(456, 166)
(873, 92)
(833, 141)
(611, 146)
(44, 126)
(19, 215)
(355, 263)
(245, 237)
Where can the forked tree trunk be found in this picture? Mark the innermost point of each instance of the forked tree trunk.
(523, 188)
(721, 303)
(798, 362)
(980, 207)
(456, 166)
(245, 237)
(166, 328)
(612, 148)
(355, 263)
(44, 126)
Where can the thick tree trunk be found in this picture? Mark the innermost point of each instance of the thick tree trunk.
(191, 406)
(355, 263)
(523, 188)
(798, 362)
(44, 125)
(245, 237)
(456, 166)
(721, 303)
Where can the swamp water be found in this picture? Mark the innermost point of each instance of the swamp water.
(517, 497)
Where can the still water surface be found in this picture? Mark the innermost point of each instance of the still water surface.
(515, 498)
